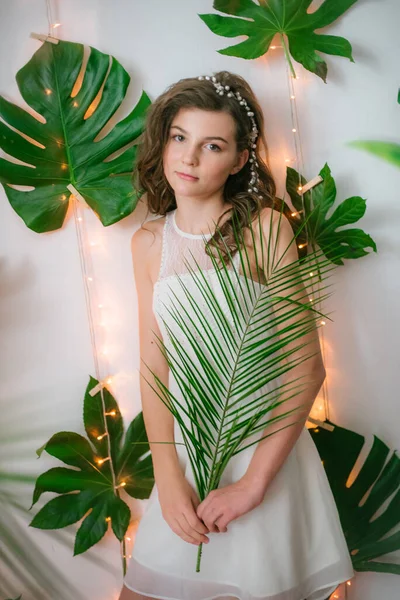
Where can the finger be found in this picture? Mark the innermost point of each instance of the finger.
(176, 528)
(221, 525)
(195, 522)
(186, 526)
(212, 515)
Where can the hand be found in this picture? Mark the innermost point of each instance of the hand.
(225, 504)
(178, 502)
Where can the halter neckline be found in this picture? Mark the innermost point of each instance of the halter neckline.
(195, 236)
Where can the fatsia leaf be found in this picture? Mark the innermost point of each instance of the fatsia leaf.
(260, 23)
(134, 464)
(63, 149)
(89, 490)
(368, 537)
(323, 230)
(94, 408)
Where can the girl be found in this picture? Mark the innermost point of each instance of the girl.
(271, 530)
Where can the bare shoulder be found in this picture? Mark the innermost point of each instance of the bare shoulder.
(146, 246)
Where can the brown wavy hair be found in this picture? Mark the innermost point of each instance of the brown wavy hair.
(149, 174)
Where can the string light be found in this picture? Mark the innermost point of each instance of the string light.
(294, 130)
(123, 484)
(323, 322)
(90, 278)
(48, 92)
(112, 413)
(100, 437)
(301, 245)
(75, 104)
(109, 380)
(63, 197)
(100, 461)
(108, 519)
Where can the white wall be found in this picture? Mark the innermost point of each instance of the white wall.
(45, 343)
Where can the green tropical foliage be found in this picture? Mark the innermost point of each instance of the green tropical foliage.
(100, 466)
(261, 22)
(315, 228)
(368, 536)
(62, 150)
(389, 151)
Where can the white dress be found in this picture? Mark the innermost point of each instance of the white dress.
(290, 547)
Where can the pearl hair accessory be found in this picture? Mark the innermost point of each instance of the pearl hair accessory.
(221, 89)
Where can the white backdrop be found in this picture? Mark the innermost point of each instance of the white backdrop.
(45, 343)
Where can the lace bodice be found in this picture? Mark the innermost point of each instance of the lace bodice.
(179, 246)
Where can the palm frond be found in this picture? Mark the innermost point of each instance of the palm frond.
(235, 347)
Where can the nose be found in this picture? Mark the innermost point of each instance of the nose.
(189, 156)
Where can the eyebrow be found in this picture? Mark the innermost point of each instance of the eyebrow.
(212, 137)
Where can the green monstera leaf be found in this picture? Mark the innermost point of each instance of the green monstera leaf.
(368, 537)
(100, 464)
(389, 151)
(62, 150)
(290, 17)
(321, 230)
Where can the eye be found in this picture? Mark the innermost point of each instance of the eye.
(216, 148)
(176, 136)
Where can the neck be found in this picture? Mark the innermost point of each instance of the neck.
(199, 219)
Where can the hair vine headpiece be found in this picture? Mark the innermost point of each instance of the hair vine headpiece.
(221, 89)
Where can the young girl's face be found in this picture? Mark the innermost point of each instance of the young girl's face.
(201, 153)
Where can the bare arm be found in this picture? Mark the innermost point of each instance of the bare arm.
(178, 499)
(157, 418)
(227, 503)
(271, 453)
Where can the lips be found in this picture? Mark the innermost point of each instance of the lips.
(186, 176)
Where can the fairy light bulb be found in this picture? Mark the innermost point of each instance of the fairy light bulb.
(122, 484)
(79, 219)
(323, 322)
(47, 91)
(100, 461)
(90, 278)
(128, 538)
(300, 188)
(112, 413)
(100, 305)
(294, 130)
(108, 519)
(301, 246)
(292, 97)
(63, 197)
(109, 380)
(348, 582)
(311, 274)
(100, 437)
(55, 25)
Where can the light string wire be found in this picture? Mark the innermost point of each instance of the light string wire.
(86, 267)
(315, 283)
(315, 287)
(50, 19)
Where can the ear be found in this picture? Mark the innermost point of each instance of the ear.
(242, 159)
